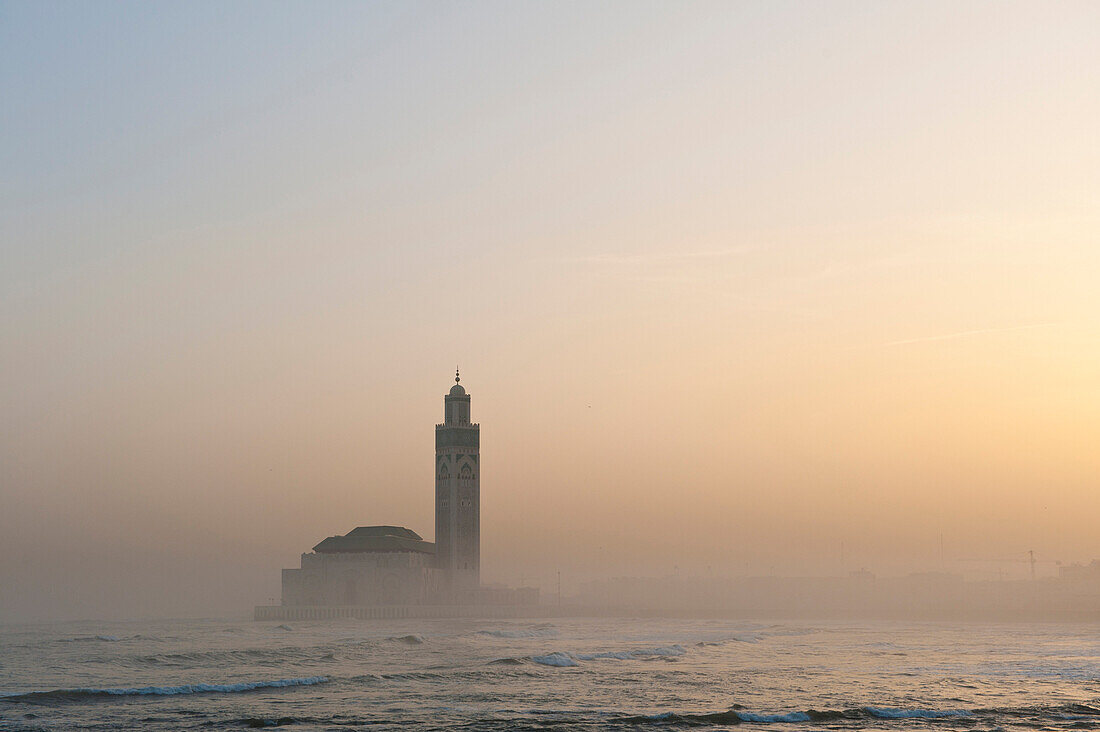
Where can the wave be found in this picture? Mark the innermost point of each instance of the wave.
(260, 722)
(789, 717)
(561, 659)
(757, 635)
(414, 676)
(892, 713)
(411, 640)
(76, 694)
(538, 631)
(790, 630)
(736, 716)
(748, 638)
(664, 651)
(103, 638)
(335, 721)
(550, 719)
(687, 719)
(267, 656)
(555, 659)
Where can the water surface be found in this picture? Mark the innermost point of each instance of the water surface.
(561, 674)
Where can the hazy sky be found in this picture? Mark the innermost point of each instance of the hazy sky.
(730, 284)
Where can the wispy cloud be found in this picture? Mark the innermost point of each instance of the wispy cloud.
(967, 333)
(656, 257)
(842, 269)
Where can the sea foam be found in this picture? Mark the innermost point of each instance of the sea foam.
(892, 713)
(788, 717)
(665, 651)
(555, 659)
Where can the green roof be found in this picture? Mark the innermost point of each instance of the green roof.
(376, 539)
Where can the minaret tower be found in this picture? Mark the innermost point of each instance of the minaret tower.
(458, 493)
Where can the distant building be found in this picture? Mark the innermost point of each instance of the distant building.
(1081, 572)
(370, 565)
(392, 565)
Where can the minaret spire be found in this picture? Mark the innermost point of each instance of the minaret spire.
(458, 496)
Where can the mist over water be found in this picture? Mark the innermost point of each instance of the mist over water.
(559, 674)
(743, 289)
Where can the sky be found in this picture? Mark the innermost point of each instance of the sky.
(739, 288)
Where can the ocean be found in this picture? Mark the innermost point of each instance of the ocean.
(561, 674)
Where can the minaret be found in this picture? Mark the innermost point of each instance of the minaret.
(458, 493)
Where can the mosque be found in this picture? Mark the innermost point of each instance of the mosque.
(393, 566)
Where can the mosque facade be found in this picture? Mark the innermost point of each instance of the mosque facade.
(393, 565)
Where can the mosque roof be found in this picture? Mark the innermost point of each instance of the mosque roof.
(376, 539)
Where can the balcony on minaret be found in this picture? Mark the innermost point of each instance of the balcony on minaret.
(457, 435)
